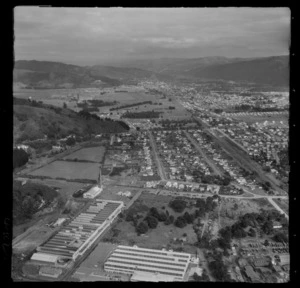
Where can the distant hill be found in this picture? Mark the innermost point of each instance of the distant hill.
(174, 65)
(270, 70)
(44, 74)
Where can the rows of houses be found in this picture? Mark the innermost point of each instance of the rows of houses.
(180, 159)
(219, 157)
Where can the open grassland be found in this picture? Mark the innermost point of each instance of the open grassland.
(111, 193)
(161, 236)
(33, 239)
(93, 154)
(69, 170)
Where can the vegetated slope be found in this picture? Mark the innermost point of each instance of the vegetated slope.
(32, 122)
(174, 65)
(270, 70)
(43, 74)
(29, 199)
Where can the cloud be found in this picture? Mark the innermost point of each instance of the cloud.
(97, 34)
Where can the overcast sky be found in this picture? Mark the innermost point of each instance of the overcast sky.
(88, 36)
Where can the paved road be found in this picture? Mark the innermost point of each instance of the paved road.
(205, 224)
(159, 164)
(207, 160)
(277, 207)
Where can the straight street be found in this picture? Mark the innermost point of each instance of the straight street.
(159, 164)
(207, 160)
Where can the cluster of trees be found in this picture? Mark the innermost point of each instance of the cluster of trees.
(130, 105)
(203, 278)
(280, 237)
(141, 115)
(20, 158)
(178, 205)
(266, 185)
(218, 269)
(151, 220)
(258, 108)
(171, 108)
(203, 206)
(185, 219)
(117, 171)
(263, 220)
(212, 179)
(27, 199)
(101, 103)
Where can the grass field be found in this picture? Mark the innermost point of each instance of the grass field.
(158, 238)
(111, 193)
(69, 170)
(162, 236)
(94, 154)
(34, 239)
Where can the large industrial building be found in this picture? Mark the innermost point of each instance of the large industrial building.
(148, 264)
(74, 239)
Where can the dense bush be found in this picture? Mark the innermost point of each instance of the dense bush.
(180, 222)
(141, 115)
(142, 228)
(20, 158)
(152, 221)
(178, 205)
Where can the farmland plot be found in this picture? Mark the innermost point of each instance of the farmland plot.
(69, 170)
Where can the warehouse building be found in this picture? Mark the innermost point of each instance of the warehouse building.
(148, 264)
(74, 239)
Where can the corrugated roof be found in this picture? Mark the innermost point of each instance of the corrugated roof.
(44, 257)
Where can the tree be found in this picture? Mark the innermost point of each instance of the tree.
(142, 228)
(180, 222)
(65, 105)
(153, 212)
(178, 205)
(188, 218)
(252, 232)
(280, 237)
(20, 158)
(162, 217)
(152, 221)
(70, 141)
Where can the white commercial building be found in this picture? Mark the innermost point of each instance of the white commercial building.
(93, 192)
(148, 264)
(78, 236)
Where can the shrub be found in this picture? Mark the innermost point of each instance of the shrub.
(180, 222)
(142, 228)
(152, 221)
(178, 205)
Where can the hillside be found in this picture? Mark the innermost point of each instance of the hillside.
(270, 70)
(35, 120)
(43, 74)
(174, 65)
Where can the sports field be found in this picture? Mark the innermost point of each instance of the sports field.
(69, 170)
(93, 154)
